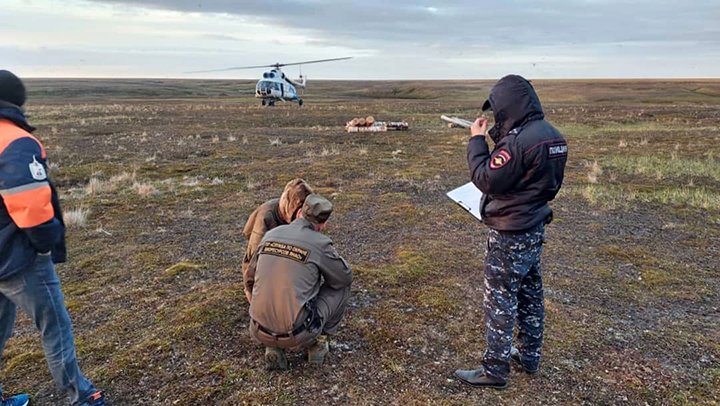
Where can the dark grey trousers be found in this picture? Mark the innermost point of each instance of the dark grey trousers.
(37, 292)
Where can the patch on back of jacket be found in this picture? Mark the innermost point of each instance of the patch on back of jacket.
(286, 251)
(557, 150)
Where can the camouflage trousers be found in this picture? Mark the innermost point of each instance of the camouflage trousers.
(513, 289)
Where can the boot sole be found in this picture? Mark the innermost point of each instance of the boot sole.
(483, 385)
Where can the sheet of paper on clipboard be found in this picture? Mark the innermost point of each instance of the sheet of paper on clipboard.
(468, 197)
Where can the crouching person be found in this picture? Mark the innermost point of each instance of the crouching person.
(273, 213)
(300, 286)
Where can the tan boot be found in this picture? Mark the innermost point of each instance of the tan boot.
(318, 351)
(275, 359)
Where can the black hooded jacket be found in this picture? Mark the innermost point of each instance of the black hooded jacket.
(525, 169)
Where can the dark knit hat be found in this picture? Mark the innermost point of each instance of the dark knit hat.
(12, 89)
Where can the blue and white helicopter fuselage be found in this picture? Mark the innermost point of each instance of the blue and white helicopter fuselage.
(276, 86)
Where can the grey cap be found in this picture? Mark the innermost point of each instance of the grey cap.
(317, 209)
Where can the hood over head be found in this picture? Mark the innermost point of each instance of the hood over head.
(15, 113)
(293, 198)
(12, 89)
(514, 103)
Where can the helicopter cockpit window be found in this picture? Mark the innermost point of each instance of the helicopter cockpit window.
(267, 86)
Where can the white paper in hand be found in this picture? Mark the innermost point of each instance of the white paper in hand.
(468, 197)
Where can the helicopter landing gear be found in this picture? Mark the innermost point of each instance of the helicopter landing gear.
(271, 103)
(300, 102)
(263, 102)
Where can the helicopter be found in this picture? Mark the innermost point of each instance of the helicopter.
(275, 85)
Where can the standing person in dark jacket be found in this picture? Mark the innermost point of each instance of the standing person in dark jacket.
(518, 179)
(32, 238)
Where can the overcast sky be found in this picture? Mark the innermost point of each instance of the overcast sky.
(389, 39)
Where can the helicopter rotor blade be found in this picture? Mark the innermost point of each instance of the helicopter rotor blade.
(233, 68)
(315, 61)
(275, 65)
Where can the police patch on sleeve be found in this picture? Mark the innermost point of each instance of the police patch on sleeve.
(557, 150)
(286, 251)
(500, 159)
(37, 170)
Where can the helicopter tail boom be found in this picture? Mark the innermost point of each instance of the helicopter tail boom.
(302, 83)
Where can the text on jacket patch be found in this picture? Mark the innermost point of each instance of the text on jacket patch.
(557, 150)
(286, 251)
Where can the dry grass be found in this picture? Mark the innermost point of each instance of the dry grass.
(145, 189)
(154, 288)
(594, 171)
(76, 217)
(124, 178)
(326, 151)
(97, 185)
(252, 185)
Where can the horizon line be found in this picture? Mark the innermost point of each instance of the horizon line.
(361, 80)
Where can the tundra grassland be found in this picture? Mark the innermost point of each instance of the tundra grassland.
(158, 176)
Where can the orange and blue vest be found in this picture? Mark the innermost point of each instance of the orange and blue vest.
(30, 215)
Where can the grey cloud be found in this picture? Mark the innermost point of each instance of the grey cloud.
(419, 39)
(458, 23)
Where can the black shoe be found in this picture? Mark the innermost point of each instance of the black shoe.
(515, 356)
(480, 378)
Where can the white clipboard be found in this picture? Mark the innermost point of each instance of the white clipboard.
(467, 196)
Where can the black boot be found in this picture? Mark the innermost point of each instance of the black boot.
(480, 378)
(517, 357)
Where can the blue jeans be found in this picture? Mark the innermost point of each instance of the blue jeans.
(37, 292)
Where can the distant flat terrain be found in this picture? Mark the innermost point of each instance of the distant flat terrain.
(167, 171)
